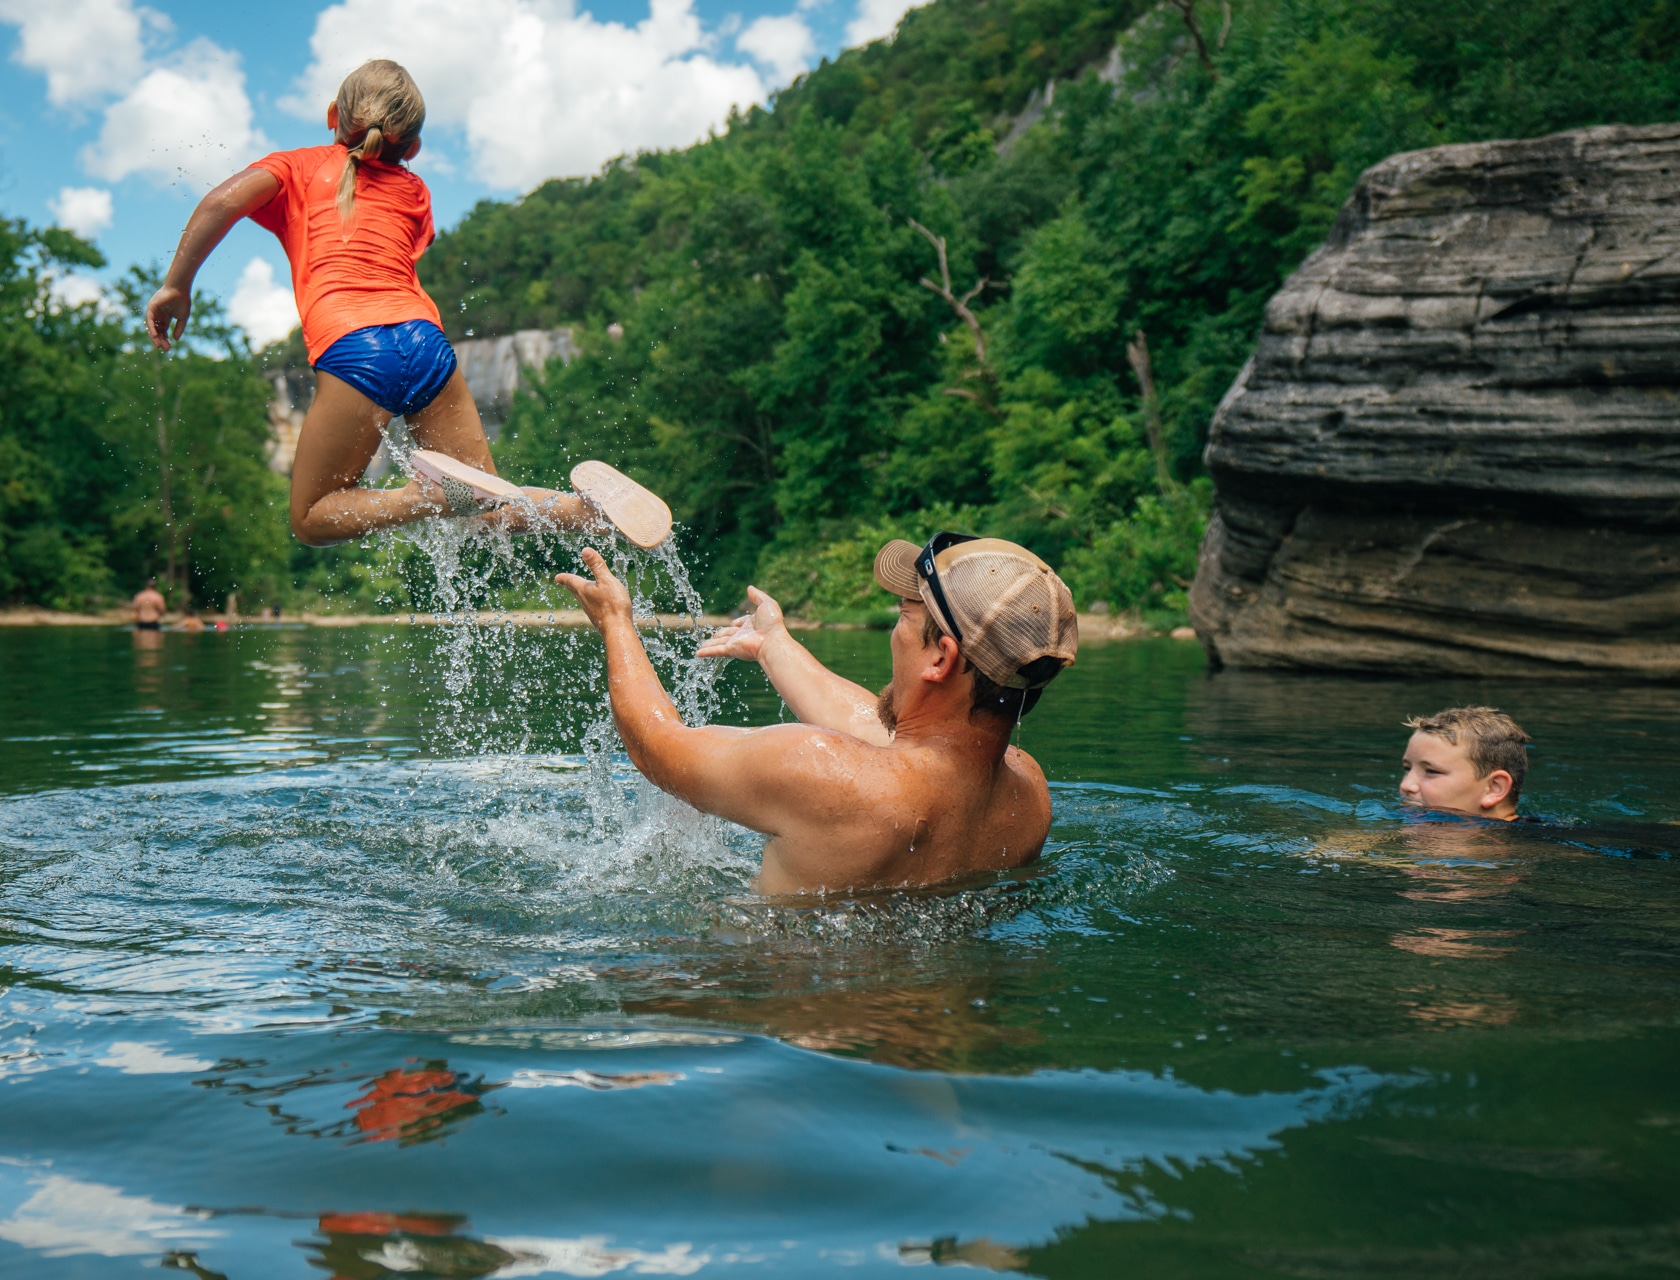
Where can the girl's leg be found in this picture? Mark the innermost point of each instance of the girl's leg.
(339, 438)
(450, 425)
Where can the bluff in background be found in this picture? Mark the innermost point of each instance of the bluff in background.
(1457, 448)
(1096, 172)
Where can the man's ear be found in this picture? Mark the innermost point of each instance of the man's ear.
(1496, 788)
(332, 116)
(947, 664)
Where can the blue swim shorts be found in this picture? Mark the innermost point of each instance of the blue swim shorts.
(400, 367)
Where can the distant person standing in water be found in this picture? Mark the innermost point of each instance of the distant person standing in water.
(354, 221)
(1469, 760)
(913, 786)
(149, 607)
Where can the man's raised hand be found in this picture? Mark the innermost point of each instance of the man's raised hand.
(603, 598)
(744, 638)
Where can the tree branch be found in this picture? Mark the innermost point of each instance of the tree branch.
(965, 394)
(1187, 10)
(958, 305)
(1137, 353)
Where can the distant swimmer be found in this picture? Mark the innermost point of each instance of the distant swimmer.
(149, 607)
(1468, 760)
(914, 786)
(354, 221)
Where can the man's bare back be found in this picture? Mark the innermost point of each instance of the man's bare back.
(149, 606)
(846, 803)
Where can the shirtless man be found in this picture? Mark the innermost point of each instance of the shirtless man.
(912, 787)
(149, 606)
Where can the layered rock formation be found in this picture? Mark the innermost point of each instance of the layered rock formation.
(1457, 445)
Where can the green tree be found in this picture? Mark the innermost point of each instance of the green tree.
(188, 431)
(786, 378)
(54, 474)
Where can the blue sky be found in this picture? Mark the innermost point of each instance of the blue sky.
(116, 116)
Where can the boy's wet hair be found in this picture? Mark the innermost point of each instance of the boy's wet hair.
(1490, 738)
(380, 111)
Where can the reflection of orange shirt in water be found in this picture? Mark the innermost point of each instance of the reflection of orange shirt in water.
(384, 1224)
(401, 1103)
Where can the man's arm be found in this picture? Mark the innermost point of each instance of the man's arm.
(814, 693)
(784, 780)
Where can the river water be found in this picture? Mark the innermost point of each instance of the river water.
(326, 952)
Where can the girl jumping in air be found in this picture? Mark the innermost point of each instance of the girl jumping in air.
(354, 221)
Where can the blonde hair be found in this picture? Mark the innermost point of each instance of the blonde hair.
(380, 112)
(1492, 740)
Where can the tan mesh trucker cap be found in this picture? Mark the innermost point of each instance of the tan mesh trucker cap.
(1009, 607)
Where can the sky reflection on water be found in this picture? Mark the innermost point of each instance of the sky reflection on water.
(299, 976)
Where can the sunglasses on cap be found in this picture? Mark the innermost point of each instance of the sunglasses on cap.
(929, 572)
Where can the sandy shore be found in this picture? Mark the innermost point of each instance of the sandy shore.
(1092, 626)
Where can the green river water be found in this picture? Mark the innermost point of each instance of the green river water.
(357, 953)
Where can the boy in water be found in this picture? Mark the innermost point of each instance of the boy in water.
(1465, 760)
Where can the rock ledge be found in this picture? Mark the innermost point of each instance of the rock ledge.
(1456, 448)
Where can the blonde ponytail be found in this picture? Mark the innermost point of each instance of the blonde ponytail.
(380, 111)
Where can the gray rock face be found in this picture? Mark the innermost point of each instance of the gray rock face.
(1457, 445)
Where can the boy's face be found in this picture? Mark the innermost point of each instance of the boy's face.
(1436, 774)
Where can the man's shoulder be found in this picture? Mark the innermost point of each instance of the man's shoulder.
(1027, 774)
(1023, 763)
(825, 743)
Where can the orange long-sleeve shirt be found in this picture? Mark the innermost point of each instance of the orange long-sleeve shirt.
(347, 275)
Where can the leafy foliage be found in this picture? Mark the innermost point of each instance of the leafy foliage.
(766, 337)
(787, 377)
(116, 462)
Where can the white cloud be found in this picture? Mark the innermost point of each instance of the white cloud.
(875, 19)
(538, 89)
(84, 210)
(88, 49)
(263, 308)
(783, 45)
(134, 1058)
(584, 1256)
(188, 119)
(73, 289)
(66, 1216)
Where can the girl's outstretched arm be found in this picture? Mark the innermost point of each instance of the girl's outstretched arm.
(242, 194)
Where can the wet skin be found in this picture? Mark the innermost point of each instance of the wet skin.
(846, 806)
(1437, 774)
(148, 605)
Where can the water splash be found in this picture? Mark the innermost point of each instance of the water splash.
(471, 573)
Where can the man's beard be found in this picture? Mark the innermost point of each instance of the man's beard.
(886, 707)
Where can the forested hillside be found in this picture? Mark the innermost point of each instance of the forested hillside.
(769, 338)
(789, 379)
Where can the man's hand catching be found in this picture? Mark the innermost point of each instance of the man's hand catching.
(166, 316)
(744, 639)
(603, 599)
